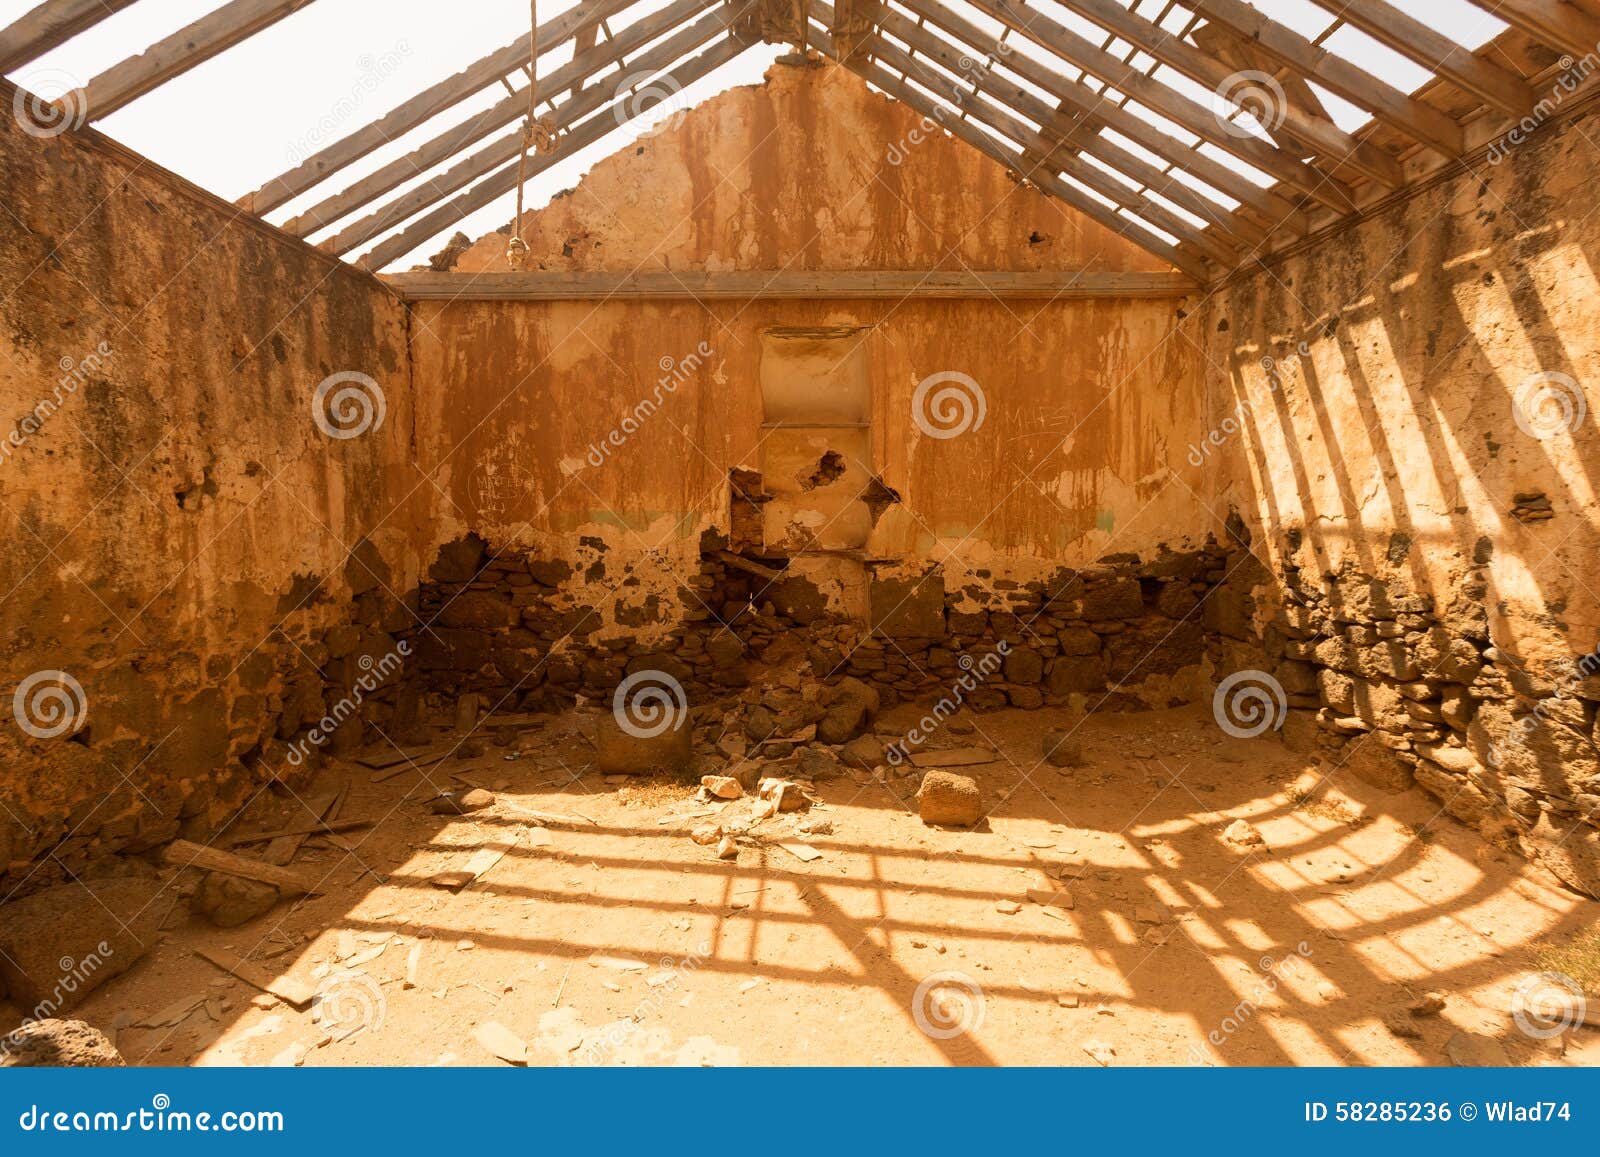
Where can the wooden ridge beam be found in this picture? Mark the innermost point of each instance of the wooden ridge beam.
(1064, 135)
(1422, 122)
(1091, 105)
(1336, 145)
(424, 106)
(49, 26)
(458, 137)
(1564, 27)
(1044, 153)
(950, 120)
(175, 55)
(509, 148)
(1498, 87)
(499, 183)
(1167, 101)
(787, 285)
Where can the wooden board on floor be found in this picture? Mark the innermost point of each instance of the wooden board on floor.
(285, 988)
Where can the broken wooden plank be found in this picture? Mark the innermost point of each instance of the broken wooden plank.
(184, 854)
(439, 754)
(398, 755)
(739, 562)
(285, 988)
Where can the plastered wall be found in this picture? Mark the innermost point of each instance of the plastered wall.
(1408, 417)
(179, 528)
(617, 422)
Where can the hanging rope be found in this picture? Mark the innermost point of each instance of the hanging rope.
(538, 133)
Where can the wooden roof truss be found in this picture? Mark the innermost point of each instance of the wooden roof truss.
(1199, 129)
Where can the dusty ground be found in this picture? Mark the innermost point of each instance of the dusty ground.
(621, 941)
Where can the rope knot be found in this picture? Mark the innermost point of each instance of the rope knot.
(542, 133)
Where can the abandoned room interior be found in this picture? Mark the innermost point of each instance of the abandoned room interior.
(1021, 532)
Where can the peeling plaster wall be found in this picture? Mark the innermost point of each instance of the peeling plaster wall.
(1088, 406)
(1388, 386)
(177, 525)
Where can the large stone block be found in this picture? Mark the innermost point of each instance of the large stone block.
(634, 750)
(58, 945)
(949, 799)
(908, 608)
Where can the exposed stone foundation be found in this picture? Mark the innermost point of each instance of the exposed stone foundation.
(1402, 690)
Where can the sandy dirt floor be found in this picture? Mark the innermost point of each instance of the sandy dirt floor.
(1099, 916)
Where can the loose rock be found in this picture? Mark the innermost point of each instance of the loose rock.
(949, 799)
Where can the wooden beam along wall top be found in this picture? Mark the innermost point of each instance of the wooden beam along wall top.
(788, 284)
(1553, 23)
(481, 74)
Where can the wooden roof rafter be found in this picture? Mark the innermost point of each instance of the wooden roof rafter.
(1096, 109)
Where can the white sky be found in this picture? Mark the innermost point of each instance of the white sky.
(247, 115)
(252, 112)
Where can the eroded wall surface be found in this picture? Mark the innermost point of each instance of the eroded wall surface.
(1001, 441)
(179, 527)
(1408, 413)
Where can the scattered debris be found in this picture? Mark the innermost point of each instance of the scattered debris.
(1007, 907)
(1063, 748)
(722, 786)
(1101, 1052)
(801, 851)
(1471, 1050)
(501, 1042)
(450, 804)
(285, 988)
(1243, 834)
